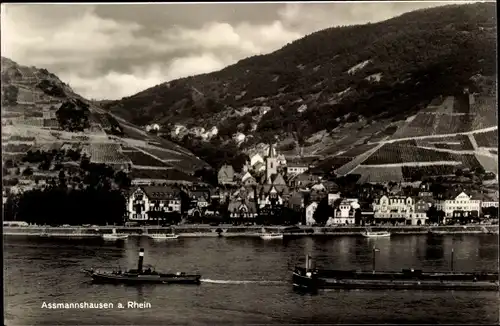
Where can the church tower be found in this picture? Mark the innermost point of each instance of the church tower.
(271, 163)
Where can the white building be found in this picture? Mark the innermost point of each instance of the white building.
(461, 203)
(318, 187)
(486, 204)
(239, 137)
(281, 160)
(256, 158)
(310, 213)
(146, 199)
(332, 198)
(345, 213)
(393, 207)
(296, 168)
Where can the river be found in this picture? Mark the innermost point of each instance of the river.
(245, 281)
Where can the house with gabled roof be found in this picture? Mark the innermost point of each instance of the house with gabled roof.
(248, 179)
(270, 196)
(226, 175)
(242, 209)
(143, 200)
(460, 205)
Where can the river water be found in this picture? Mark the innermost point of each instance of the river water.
(245, 281)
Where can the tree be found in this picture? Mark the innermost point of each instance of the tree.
(9, 164)
(207, 175)
(28, 171)
(73, 116)
(62, 179)
(432, 214)
(322, 212)
(185, 202)
(337, 202)
(479, 170)
(440, 215)
(122, 180)
(9, 95)
(358, 217)
(491, 212)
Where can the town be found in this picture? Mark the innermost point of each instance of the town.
(270, 189)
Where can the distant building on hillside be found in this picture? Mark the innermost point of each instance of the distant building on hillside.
(226, 175)
(296, 167)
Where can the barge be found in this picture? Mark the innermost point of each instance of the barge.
(142, 276)
(311, 279)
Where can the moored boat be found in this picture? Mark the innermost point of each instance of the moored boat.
(311, 279)
(141, 275)
(270, 235)
(163, 236)
(114, 236)
(376, 234)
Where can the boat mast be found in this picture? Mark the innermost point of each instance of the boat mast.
(452, 256)
(307, 263)
(141, 258)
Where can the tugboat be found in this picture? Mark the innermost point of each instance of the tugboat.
(310, 279)
(142, 276)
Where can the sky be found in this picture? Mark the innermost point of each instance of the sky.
(116, 50)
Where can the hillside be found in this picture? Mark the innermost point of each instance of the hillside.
(343, 88)
(42, 115)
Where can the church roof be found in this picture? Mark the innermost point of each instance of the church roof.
(279, 180)
(238, 204)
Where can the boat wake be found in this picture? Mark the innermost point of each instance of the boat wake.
(207, 280)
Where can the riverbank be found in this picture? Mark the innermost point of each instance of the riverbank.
(243, 231)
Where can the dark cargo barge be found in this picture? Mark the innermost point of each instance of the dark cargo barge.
(310, 279)
(142, 276)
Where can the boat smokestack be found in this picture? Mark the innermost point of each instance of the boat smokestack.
(141, 258)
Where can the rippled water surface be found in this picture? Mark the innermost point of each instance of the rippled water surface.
(246, 281)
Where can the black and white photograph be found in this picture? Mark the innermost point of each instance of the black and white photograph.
(250, 163)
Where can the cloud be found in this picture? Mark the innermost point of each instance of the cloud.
(108, 52)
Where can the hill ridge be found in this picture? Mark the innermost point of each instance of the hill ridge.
(40, 113)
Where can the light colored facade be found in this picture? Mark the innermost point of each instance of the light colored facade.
(318, 187)
(152, 199)
(281, 160)
(310, 213)
(393, 207)
(344, 214)
(461, 203)
(485, 204)
(332, 198)
(226, 175)
(271, 164)
(254, 159)
(270, 198)
(296, 168)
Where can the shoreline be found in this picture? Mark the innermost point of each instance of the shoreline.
(194, 231)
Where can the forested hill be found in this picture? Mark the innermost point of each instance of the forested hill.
(386, 70)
